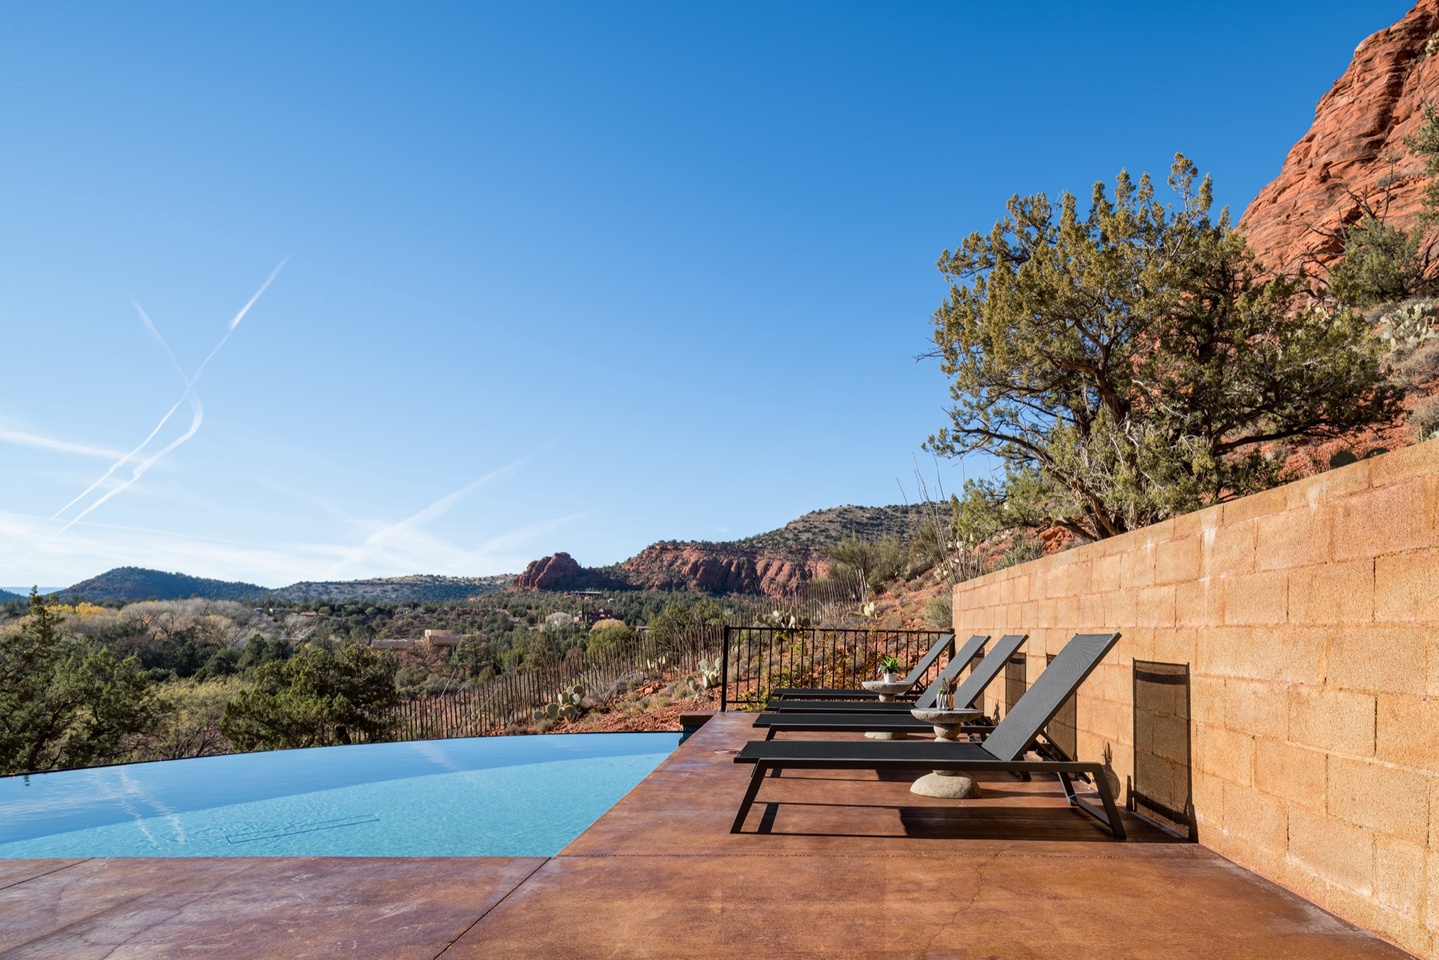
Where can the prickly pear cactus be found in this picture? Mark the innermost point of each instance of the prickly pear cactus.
(708, 674)
(1410, 326)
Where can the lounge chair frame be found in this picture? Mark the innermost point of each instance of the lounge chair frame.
(1003, 751)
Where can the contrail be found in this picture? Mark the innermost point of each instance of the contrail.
(143, 466)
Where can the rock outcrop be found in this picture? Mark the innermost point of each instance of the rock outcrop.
(558, 572)
(1355, 152)
(719, 568)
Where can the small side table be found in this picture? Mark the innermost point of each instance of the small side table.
(946, 784)
(887, 690)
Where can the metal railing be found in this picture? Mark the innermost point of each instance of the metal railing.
(759, 660)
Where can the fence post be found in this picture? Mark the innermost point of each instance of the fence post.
(724, 670)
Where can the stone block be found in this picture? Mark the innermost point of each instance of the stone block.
(1223, 753)
(1335, 721)
(1256, 598)
(1399, 875)
(1208, 794)
(1378, 660)
(1209, 701)
(1137, 565)
(1091, 612)
(1406, 587)
(1383, 521)
(1290, 539)
(1332, 593)
(1259, 709)
(1155, 606)
(1198, 603)
(1407, 731)
(1176, 561)
(1386, 799)
(1330, 486)
(1275, 654)
(1291, 773)
(1255, 505)
(1106, 573)
(1256, 820)
(1419, 460)
(1067, 613)
(1121, 608)
(1179, 645)
(1228, 551)
(1335, 852)
(1362, 910)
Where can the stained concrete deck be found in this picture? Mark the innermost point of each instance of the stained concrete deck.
(831, 865)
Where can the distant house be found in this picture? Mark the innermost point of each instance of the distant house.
(442, 638)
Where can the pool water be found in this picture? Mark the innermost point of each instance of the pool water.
(487, 796)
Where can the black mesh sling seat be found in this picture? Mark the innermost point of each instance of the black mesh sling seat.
(1004, 750)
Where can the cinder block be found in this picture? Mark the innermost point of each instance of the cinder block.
(1406, 587)
(1378, 660)
(1091, 612)
(1222, 753)
(1332, 593)
(1209, 700)
(1382, 521)
(1106, 573)
(1067, 612)
(1389, 800)
(1137, 565)
(1365, 912)
(1419, 460)
(1255, 505)
(1256, 820)
(1175, 646)
(1291, 773)
(1208, 793)
(1331, 485)
(1190, 524)
(1256, 598)
(1228, 551)
(1198, 603)
(1408, 731)
(1399, 875)
(1121, 608)
(1335, 852)
(1335, 721)
(1259, 709)
(1269, 654)
(1289, 539)
(1178, 560)
(1155, 606)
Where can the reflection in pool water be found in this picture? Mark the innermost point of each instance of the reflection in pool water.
(489, 796)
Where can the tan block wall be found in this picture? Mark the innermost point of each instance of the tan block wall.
(1308, 616)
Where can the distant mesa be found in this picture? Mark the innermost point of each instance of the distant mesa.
(136, 583)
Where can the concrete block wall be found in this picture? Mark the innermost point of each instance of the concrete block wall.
(1308, 616)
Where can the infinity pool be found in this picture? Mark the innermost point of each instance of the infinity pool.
(487, 796)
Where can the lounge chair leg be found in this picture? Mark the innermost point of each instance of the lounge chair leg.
(755, 780)
(1110, 816)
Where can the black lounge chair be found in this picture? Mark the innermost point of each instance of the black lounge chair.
(929, 697)
(914, 676)
(1004, 750)
(893, 721)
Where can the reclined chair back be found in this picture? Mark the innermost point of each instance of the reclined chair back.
(1039, 704)
(956, 663)
(927, 661)
(987, 669)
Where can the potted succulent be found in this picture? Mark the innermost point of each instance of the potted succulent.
(946, 693)
(889, 667)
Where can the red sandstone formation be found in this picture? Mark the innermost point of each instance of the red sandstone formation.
(559, 572)
(719, 568)
(1355, 151)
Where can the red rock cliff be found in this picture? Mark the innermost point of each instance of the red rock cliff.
(1359, 127)
(715, 569)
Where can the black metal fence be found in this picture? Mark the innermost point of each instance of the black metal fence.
(759, 660)
(491, 708)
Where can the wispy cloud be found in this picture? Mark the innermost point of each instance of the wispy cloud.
(23, 438)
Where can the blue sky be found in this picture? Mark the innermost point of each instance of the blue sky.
(541, 276)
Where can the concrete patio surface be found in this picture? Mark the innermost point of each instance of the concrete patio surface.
(831, 864)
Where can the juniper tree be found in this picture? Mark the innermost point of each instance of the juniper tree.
(1134, 363)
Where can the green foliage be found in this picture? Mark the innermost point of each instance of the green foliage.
(316, 699)
(1382, 264)
(63, 704)
(1133, 363)
(938, 613)
(878, 562)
